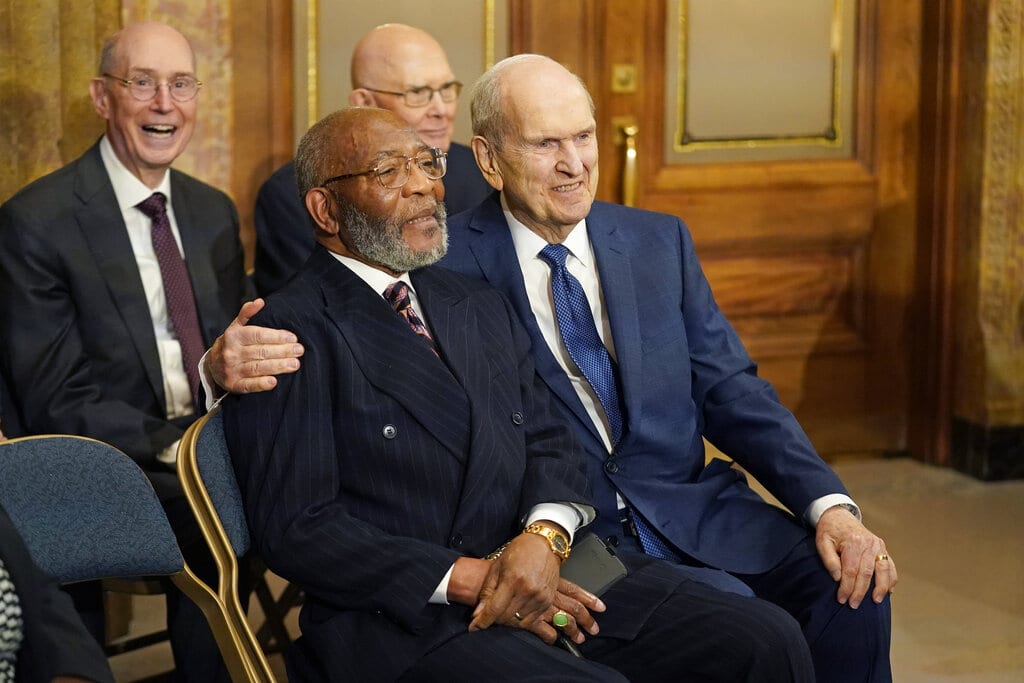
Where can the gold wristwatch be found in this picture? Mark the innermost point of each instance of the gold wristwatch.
(556, 539)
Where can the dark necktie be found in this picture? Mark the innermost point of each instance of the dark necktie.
(579, 334)
(181, 302)
(397, 294)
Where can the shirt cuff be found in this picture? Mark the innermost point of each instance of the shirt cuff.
(569, 516)
(440, 596)
(169, 455)
(213, 393)
(817, 508)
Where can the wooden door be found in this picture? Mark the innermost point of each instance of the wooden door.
(811, 256)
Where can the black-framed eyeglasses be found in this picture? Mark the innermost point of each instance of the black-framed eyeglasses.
(420, 97)
(144, 88)
(394, 172)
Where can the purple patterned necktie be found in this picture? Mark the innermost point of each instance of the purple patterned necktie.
(397, 294)
(181, 302)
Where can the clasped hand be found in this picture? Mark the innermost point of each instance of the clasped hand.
(522, 589)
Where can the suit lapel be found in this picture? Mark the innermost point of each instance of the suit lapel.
(495, 252)
(612, 252)
(103, 227)
(391, 357)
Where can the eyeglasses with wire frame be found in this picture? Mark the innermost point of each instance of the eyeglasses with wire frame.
(393, 172)
(421, 96)
(144, 88)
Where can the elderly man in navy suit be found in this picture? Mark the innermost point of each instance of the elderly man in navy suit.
(678, 374)
(395, 67)
(417, 438)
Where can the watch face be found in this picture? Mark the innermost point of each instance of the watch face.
(559, 543)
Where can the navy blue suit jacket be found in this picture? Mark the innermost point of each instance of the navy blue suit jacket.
(368, 472)
(684, 374)
(79, 349)
(284, 230)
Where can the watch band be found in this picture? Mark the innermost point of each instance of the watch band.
(558, 542)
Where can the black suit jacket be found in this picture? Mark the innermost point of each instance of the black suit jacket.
(55, 641)
(284, 231)
(79, 349)
(367, 473)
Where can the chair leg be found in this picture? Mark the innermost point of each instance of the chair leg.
(272, 634)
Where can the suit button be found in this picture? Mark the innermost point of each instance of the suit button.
(517, 418)
(390, 431)
(613, 541)
(456, 540)
(610, 466)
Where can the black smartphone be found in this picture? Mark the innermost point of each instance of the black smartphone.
(592, 565)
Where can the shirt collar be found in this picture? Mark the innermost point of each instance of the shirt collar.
(528, 243)
(128, 189)
(377, 279)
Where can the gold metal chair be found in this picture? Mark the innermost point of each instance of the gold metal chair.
(206, 475)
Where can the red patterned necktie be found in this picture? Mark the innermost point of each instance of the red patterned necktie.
(181, 302)
(397, 294)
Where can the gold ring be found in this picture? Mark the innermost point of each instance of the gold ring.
(882, 558)
(518, 616)
(560, 619)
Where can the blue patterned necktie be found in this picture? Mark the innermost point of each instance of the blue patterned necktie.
(579, 334)
(397, 294)
(181, 301)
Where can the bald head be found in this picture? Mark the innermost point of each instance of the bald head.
(535, 141)
(393, 59)
(361, 213)
(119, 45)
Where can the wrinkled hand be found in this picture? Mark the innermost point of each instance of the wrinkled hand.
(246, 359)
(522, 589)
(852, 555)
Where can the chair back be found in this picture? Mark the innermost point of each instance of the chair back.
(87, 511)
(208, 479)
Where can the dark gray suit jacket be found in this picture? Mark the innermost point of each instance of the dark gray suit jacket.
(79, 349)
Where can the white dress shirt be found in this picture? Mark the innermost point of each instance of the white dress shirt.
(130, 191)
(583, 266)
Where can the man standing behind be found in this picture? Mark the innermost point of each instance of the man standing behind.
(115, 274)
(416, 438)
(395, 67)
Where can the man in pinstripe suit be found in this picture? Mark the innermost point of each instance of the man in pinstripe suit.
(408, 447)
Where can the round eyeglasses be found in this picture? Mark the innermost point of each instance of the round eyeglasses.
(420, 97)
(394, 172)
(143, 88)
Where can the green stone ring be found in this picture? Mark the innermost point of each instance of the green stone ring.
(560, 619)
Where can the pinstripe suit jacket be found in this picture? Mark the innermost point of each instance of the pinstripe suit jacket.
(367, 473)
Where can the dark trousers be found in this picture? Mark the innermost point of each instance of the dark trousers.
(696, 633)
(848, 645)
